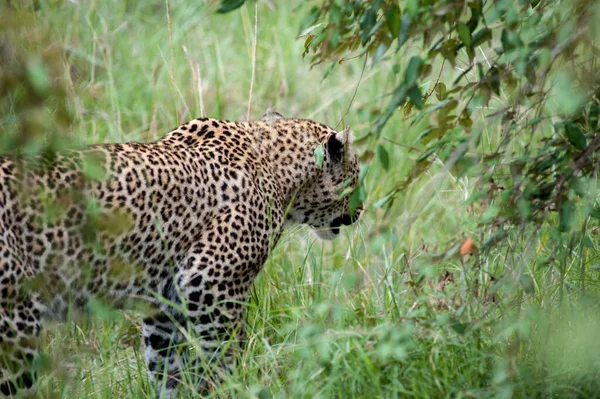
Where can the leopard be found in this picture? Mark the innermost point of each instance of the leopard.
(183, 225)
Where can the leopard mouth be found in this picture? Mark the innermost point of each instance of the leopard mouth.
(334, 228)
(327, 234)
(345, 220)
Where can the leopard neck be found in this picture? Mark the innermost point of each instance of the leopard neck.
(284, 151)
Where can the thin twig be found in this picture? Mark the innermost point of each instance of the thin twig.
(590, 149)
(196, 78)
(438, 79)
(402, 145)
(172, 68)
(355, 90)
(253, 59)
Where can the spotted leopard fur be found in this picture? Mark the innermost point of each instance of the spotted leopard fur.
(183, 224)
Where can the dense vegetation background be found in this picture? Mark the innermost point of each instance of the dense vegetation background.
(474, 271)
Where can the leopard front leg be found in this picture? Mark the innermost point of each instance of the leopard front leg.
(215, 328)
(195, 348)
(213, 282)
(163, 342)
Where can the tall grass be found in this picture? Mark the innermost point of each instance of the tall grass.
(374, 314)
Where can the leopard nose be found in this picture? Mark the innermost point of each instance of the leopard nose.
(347, 220)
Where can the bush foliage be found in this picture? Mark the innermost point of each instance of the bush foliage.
(526, 70)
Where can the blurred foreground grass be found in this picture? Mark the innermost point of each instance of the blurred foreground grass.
(374, 314)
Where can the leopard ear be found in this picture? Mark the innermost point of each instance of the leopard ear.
(271, 115)
(338, 143)
(345, 136)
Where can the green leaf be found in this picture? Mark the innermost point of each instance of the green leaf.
(358, 197)
(475, 197)
(384, 200)
(595, 212)
(381, 49)
(335, 14)
(93, 209)
(307, 42)
(366, 24)
(265, 394)
(587, 242)
(101, 311)
(405, 24)
(424, 134)
(481, 36)
(567, 216)
(414, 94)
(93, 166)
(38, 76)
(398, 99)
(52, 208)
(383, 156)
(412, 70)
(427, 153)
(440, 91)
(319, 156)
(535, 121)
(495, 80)
(460, 328)
(490, 213)
(392, 16)
(413, 7)
(575, 135)
(527, 284)
(464, 34)
(475, 16)
(310, 19)
(230, 5)
(593, 115)
(579, 185)
(524, 209)
(510, 40)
